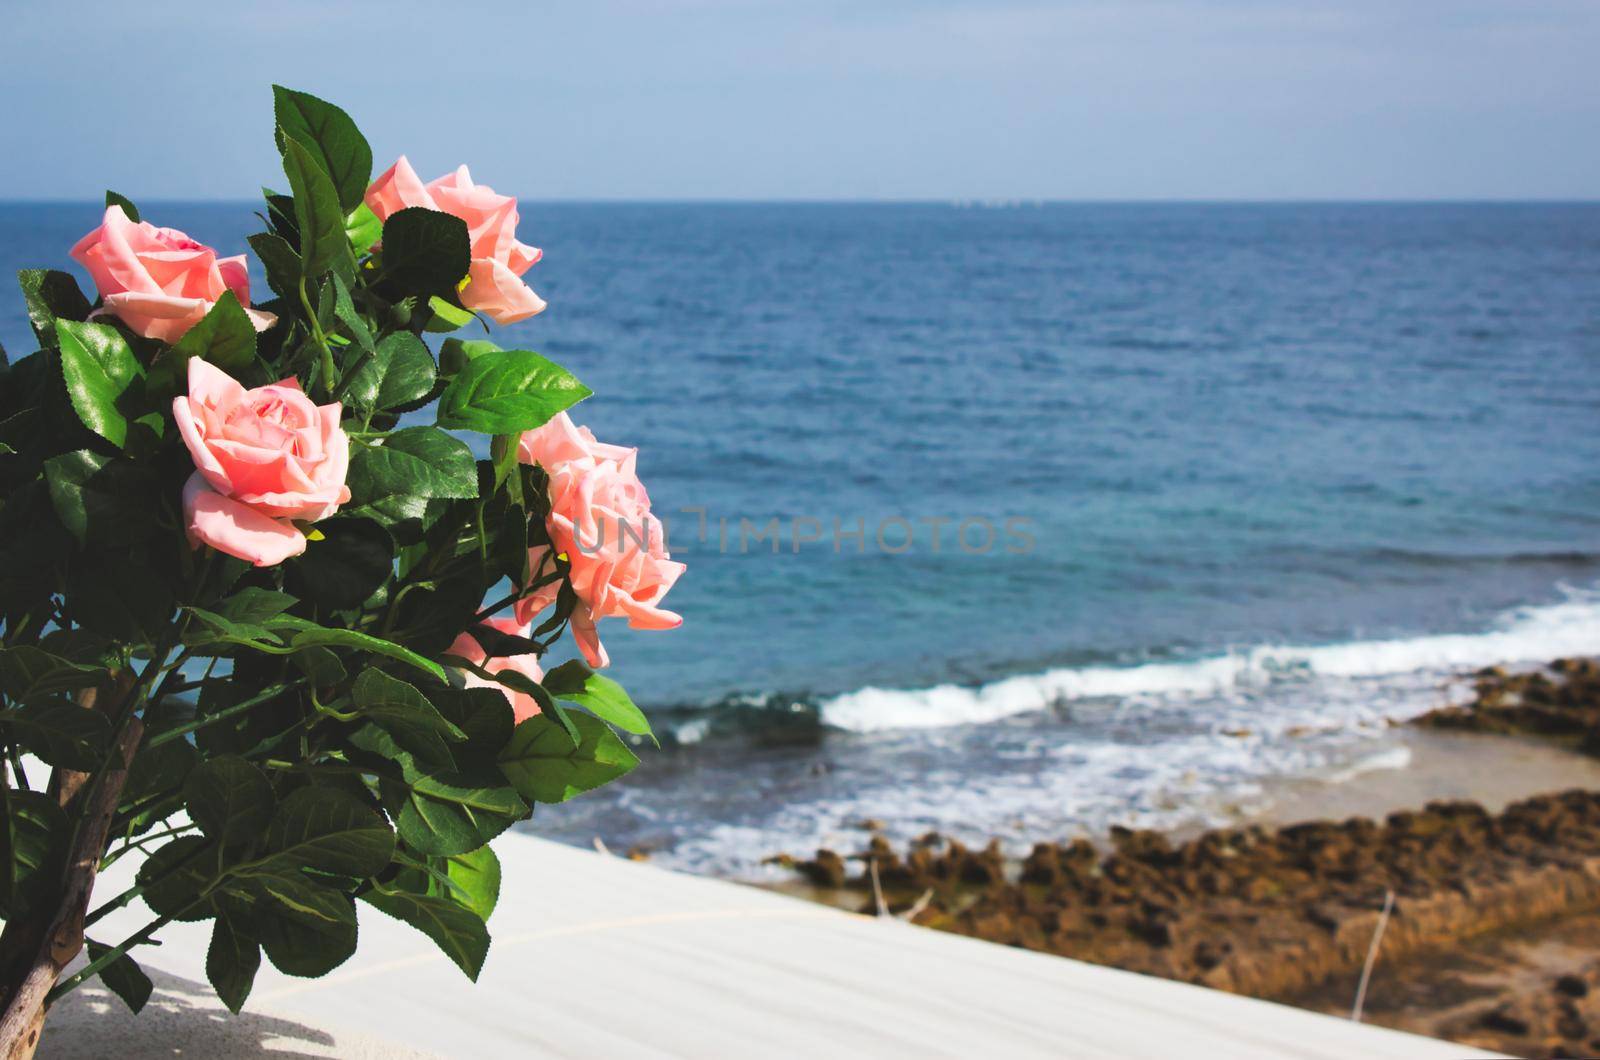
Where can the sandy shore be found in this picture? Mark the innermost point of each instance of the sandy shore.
(1482, 822)
(1491, 770)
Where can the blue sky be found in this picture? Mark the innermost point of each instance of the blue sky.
(818, 99)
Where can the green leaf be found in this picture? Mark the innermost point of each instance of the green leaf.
(450, 814)
(101, 500)
(224, 337)
(33, 844)
(457, 931)
(321, 666)
(475, 876)
(454, 354)
(219, 629)
(545, 765)
(27, 672)
(126, 601)
(447, 316)
(330, 137)
(122, 976)
(230, 799)
(280, 216)
(175, 877)
(60, 732)
(345, 311)
(159, 768)
(307, 930)
(394, 481)
(113, 199)
(405, 713)
(425, 252)
(508, 392)
(323, 246)
(329, 830)
(400, 372)
(280, 261)
(255, 604)
(232, 962)
(576, 683)
(98, 368)
(311, 635)
(51, 296)
(362, 228)
(483, 714)
(351, 562)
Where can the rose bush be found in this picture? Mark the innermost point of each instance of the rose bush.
(278, 582)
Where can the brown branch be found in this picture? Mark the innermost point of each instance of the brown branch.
(34, 950)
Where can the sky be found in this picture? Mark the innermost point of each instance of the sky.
(822, 99)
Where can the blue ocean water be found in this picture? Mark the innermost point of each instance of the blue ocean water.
(1280, 469)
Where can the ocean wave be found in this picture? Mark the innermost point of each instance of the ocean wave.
(1528, 634)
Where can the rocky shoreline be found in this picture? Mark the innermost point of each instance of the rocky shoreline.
(1482, 903)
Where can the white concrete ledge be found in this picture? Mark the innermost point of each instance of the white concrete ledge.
(596, 956)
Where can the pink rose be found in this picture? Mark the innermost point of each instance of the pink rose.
(158, 281)
(600, 518)
(264, 457)
(493, 285)
(523, 706)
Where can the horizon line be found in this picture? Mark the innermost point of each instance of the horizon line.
(986, 202)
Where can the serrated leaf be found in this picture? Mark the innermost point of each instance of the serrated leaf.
(344, 310)
(599, 695)
(483, 714)
(393, 482)
(352, 561)
(255, 604)
(219, 629)
(232, 961)
(122, 976)
(454, 354)
(230, 799)
(100, 500)
(51, 296)
(224, 337)
(456, 930)
(60, 732)
(508, 392)
(475, 877)
(33, 843)
(425, 252)
(330, 137)
(329, 830)
(318, 216)
(27, 671)
(405, 714)
(177, 874)
(363, 229)
(447, 316)
(545, 765)
(308, 634)
(447, 814)
(307, 930)
(279, 260)
(98, 368)
(400, 372)
(128, 208)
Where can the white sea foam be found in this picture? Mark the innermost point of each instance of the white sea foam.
(1530, 634)
(1388, 758)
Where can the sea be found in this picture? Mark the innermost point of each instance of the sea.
(1029, 520)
